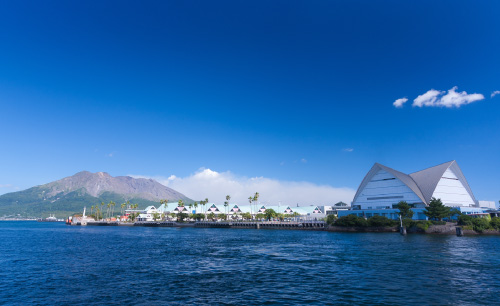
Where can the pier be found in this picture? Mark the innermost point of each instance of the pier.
(298, 225)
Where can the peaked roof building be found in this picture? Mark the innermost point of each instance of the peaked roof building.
(383, 187)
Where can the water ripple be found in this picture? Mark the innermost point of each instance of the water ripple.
(47, 264)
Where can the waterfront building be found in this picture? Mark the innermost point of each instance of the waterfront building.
(383, 187)
(147, 214)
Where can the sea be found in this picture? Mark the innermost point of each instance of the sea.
(49, 263)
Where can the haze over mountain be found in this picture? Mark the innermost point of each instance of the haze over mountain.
(71, 194)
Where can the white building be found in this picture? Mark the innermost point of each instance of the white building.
(147, 214)
(383, 187)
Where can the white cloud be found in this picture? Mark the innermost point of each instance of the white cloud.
(6, 186)
(348, 149)
(451, 99)
(496, 92)
(206, 183)
(399, 102)
(303, 160)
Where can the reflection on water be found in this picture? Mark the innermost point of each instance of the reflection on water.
(47, 263)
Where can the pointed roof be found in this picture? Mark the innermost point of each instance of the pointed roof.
(406, 179)
(429, 178)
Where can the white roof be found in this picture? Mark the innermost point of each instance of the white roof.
(423, 183)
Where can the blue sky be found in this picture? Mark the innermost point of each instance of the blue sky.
(293, 91)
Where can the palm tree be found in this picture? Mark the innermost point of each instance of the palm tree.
(228, 197)
(250, 199)
(91, 208)
(102, 204)
(108, 209)
(112, 208)
(256, 199)
(122, 206)
(196, 206)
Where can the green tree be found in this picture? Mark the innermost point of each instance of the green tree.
(330, 219)
(495, 223)
(436, 210)
(260, 216)
(270, 214)
(250, 199)
(246, 216)
(228, 197)
(381, 221)
(181, 217)
(211, 216)
(455, 212)
(256, 200)
(156, 216)
(351, 220)
(405, 211)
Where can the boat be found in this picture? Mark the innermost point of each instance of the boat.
(51, 218)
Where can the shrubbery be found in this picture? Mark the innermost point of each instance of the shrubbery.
(495, 223)
(355, 221)
(476, 224)
(351, 220)
(479, 224)
(381, 221)
(330, 219)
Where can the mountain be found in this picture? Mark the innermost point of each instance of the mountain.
(70, 194)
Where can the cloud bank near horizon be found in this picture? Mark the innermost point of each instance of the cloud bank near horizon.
(206, 183)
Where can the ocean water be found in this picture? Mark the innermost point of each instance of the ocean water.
(56, 264)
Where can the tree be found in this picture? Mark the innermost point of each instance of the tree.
(211, 216)
(455, 212)
(256, 200)
(250, 199)
(246, 215)
(330, 219)
(122, 206)
(351, 220)
(181, 216)
(102, 205)
(113, 211)
(270, 214)
(156, 216)
(228, 197)
(436, 210)
(405, 211)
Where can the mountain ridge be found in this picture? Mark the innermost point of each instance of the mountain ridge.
(70, 194)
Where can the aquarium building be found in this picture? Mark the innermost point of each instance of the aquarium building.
(383, 187)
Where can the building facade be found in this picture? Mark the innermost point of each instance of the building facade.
(383, 188)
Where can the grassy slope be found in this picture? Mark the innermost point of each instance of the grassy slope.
(30, 202)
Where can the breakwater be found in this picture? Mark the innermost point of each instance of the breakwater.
(303, 225)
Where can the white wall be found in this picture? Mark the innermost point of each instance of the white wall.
(487, 204)
(385, 185)
(451, 191)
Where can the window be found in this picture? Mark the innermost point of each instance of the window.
(385, 198)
